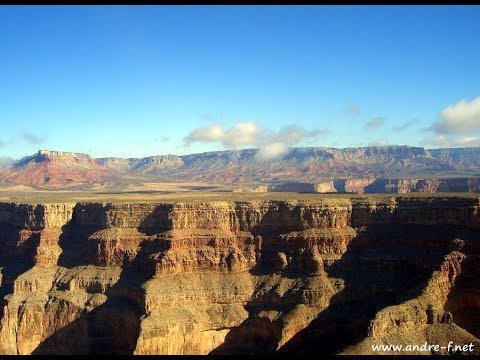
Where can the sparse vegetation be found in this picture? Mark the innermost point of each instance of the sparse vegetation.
(171, 193)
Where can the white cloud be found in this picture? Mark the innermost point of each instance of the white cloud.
(212, 132)
(271, 143)
(468, 141)
(442, 140)
(379, 142)
(462, 117)
(245, 133)
(294, 133)
(272, 151)
(436, 141)
(375, 123)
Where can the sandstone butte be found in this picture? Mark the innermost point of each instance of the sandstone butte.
(326, 276)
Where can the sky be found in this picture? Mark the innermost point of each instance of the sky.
(134, 81)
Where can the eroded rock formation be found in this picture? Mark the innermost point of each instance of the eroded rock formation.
(235, 277)
(382, 185)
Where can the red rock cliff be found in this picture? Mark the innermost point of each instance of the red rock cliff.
(232, 277)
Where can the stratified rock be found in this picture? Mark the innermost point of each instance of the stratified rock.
(330, 275)
(54, 169)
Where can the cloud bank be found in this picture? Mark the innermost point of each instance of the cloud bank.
(271, 143)
(442, 140)
(462, 117)
(458, 126)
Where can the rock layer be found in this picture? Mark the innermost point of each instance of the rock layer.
(380, 185)
(234, 277)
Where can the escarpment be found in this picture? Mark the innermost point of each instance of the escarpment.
(331, 275)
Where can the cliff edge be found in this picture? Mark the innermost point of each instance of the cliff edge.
(325, 276)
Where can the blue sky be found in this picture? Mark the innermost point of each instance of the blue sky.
(132, 81)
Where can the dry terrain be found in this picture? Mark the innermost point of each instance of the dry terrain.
(155, 270)
(374, 169)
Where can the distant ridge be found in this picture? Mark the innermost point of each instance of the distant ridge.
(301, 164)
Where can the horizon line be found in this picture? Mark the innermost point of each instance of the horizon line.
(50, 152)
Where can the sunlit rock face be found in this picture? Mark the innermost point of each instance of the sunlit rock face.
(331, 275)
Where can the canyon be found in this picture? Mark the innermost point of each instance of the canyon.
(325, 274)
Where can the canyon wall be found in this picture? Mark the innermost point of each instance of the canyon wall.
(234, 277)
(373, 185)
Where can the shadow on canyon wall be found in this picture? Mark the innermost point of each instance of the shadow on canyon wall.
(159, 220)
(464, 299)
(17, 255)
(112, 327)
(384, 265)
(374, 277)
(15, 263)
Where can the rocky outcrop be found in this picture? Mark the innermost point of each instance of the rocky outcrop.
(383, 185)
(438, 185)
(354, 185)
(320, 187)
(376, 186)
(233, 277)
(54, 169)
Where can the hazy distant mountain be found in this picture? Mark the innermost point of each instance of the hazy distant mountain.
(150, 165)
(299, 164)
(459, 158)
(6, 163)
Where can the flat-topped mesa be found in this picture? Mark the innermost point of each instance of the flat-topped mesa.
(54, 169)
(64, 154)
